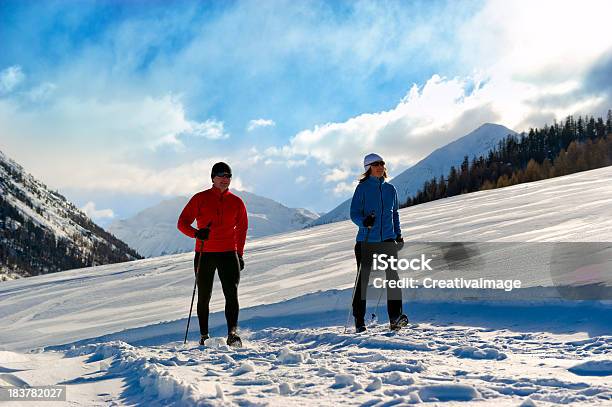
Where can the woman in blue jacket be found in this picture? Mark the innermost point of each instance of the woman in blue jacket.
(374, 209)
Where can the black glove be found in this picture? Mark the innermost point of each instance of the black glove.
(399, 241)
(241, 262)
(202, 234)
(369, 220)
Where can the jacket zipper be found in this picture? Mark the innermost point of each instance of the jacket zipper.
(382, 207)
(220, 211)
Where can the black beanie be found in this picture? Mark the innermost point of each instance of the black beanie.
(220, 168)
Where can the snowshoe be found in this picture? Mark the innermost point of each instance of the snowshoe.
(398, 323)
(234, 341)
(203, 339)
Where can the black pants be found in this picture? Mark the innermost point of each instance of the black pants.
(229, 274)
(394, 295)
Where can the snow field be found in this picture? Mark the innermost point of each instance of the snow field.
(423, 363)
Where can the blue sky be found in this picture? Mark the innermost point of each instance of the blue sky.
(120, 104)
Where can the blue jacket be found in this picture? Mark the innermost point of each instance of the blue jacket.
(374, 194)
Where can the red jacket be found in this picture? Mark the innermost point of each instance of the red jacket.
(229, 220)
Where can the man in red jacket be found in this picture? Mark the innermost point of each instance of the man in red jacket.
(220, 236)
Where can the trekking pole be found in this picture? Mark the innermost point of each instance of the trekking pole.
(195, 284)
(348, 317)
(377, 304)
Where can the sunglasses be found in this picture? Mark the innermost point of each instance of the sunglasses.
(224, 175)
(378, 163)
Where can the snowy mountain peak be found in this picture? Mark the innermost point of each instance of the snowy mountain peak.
(153, 231)
(491, 126)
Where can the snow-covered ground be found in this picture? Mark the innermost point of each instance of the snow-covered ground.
(113, 334)
(482, 353)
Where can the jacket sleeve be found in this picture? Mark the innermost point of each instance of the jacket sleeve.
(187, 217)
(396, 220)
(242, 225)
(357, 207)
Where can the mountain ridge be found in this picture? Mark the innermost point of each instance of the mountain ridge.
(42, 232)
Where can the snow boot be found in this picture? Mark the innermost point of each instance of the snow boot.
(233, 339)
(203, 339)
(360, 325)
(399, 323)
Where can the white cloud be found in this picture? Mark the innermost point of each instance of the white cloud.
(300, 179)
(128, 123)
(42, 92)
(425, 119)
(337, 174)
(254, 124)
(210, 129)
(10, 78)
(538, 55)
(168, 114)
(91, 211)
(184, 179)
(546, 41)
(344, 188)
(133, 129)
(170, 139)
